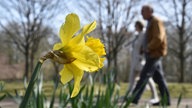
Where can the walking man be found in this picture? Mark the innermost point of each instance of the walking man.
(154, 48)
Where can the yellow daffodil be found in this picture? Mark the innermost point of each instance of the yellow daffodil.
(77, 53)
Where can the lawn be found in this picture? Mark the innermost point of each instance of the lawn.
(175, 89)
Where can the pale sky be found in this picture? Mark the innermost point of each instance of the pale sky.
(73, 7)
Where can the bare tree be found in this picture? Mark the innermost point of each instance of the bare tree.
(114, 17)
(179, 15)
(24, 22)
(7, 47)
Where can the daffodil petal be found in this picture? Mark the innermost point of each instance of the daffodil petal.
(88, 28)
(77, 43)
(78, 75)
(57, 46)
(89, 67)
(86, 59)
(66, 73)
(79, 39)
(69, 28)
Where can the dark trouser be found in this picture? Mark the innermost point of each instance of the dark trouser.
(152, 68)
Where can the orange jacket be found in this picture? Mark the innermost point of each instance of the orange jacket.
(156, 38)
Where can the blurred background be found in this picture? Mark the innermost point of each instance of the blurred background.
(29, 28)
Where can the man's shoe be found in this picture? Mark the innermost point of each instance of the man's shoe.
(153, 101)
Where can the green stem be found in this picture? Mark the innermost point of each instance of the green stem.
(54, 92)
(31, 85)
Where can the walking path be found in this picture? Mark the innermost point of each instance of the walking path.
(185, 103)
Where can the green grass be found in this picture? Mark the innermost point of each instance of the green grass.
(175, 89)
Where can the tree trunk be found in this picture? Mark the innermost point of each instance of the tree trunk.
(115, 67)
(26, 73)
(31, 62)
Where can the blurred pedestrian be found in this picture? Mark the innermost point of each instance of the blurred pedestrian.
(154, 48)
(137, 62)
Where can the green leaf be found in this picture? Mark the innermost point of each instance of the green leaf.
(179, 100)
(91, 96)
(40, 100)
(2, 97)
(30, 86)
(54, 92)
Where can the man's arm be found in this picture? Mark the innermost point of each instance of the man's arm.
(158, 33)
